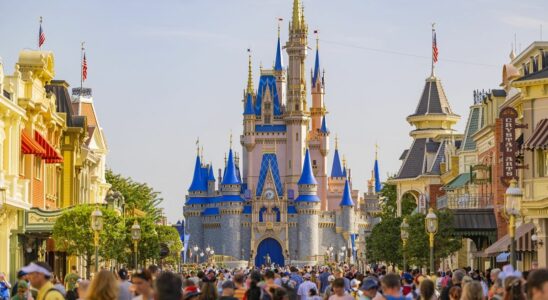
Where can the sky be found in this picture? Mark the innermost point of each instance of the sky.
(168, 71)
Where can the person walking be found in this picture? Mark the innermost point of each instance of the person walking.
(537, 284)
(23, 292)
(168, 286)
(239, 279)
(39, 274)
(427, 290)
(391, 287)
(124, 285)
(339, 292)
(71, 279)
(304, 289)
(103, 287)
(142, 280)
(227, 291)
(472, 291)
(5, 287)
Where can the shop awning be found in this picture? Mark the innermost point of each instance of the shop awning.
(503, 257)
(51, 155)
(539, 138)
(458, 182)
(30, 146)
(523, 241)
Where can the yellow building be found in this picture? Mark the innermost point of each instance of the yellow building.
(14, 191)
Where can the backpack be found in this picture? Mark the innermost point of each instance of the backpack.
(52, 290)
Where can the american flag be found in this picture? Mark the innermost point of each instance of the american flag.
(84, 68)
(434, 48)
(41, 36)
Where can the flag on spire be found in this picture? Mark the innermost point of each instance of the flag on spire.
(378, 186)
(84, 68)
(41, 35)
(434, 46)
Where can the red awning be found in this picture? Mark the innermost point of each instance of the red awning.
(539, 139)
(30, 146)
(51, 156)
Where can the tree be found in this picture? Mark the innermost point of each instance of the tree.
(136, 195)
(170, 236)
(384, 243)
(149, 244)
(389, 205)
(444, 242)
(73, 234)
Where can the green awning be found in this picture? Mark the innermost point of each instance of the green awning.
(458, 182)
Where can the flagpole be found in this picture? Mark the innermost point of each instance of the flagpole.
(82, 70)
(39, 35)
(433, 32)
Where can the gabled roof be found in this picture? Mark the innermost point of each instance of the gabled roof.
(230, 176)
(472, 127)
(278, 65)
(269, 162)
(413, 164)
(433, 99)
(336, 169)
(268, 82)
(197, 180)
(347, 197)
(307, 176)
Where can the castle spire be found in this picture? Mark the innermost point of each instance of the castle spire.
(347, 196)
(316, 74)
(297, 17)
(249, 74)
(324, 126)
(230, 176)
(307, 176)
(278, 65)
(197, 182)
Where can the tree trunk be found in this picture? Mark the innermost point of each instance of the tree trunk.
(88, 266)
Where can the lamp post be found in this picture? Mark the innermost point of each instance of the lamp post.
(96, 226)
(135, 237)
(343, 251)
(512, 205)
(202, 255)
(196, 248)
(404, 233)
(431, 224)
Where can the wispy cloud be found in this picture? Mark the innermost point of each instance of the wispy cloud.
(523, 21)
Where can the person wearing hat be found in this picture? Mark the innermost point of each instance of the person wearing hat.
(23, 292)
(20, 276)
(227, 291)
(355, 288)
(304, 289)
(370, 289)
(408, 286)
(39, 274)
(191, 293)
(329, 288)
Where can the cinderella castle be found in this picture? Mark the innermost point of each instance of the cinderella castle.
(280, 204)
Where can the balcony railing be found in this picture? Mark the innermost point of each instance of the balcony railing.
(465, 201)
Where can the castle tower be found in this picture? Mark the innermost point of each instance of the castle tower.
(248, 137)
(308, 208)
(197, 197)
(231, 207)
(347, 210)
(335, 181)
(210, 181)
(297, 115)
(279, 72)
(317, 110)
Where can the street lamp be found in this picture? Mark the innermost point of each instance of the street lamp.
(512, 205)
(136, 237)
(202, 255)
(96, 226)
(431, 224)
(343, 251)
(404, 233)
(196, 248)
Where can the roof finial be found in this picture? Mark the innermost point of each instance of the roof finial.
(225, 159)
(376, 150)
(512, 53)
(202, 154)
(344, 161)
(336, 142)
(280, 19)
(230, 139)
(249, 74)
(198, 146)
(296, 20)
(317, 34)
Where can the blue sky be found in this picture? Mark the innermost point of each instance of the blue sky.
(165, 72)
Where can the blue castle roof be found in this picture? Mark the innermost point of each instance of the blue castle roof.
(307, 198)
(336, 169)
(249, 105)
(231, 198)
(316, 74)
(347, 197)
(344, 172)
(268, 82)
(278, 64)
(210, 211)
(210, 175)
(307, 176)
(269, 161)
(198, 183)
(230, 176)
(291, 209)
(324, 126)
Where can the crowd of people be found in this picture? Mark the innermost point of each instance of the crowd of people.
(337, 282)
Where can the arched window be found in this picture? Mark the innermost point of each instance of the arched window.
(261, 212)
(277, 212)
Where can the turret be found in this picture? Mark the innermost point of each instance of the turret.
(248, 138)
(308, 208)
(230, 184)
(210, 181)
(198, 186)
(347, 210)
(336, 169)
(279, 71)
(317, 110)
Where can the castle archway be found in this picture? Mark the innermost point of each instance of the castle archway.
(271, 248)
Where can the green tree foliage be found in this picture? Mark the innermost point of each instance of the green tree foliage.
(170, 236)
(417, 249)
(384, 244)
(149, 244)
(389, 204)
(136, 195)
(73, 234)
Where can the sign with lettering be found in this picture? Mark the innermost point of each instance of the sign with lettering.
(508, 116)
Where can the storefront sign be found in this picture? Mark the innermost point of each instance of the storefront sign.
(508, 149)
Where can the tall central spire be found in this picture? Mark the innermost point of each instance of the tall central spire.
(297, 15)
(249, 75)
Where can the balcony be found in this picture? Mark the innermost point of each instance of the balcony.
(465, 201)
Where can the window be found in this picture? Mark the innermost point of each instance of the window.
(296, 106)
(543, 163)
(297, 137)
(37, 167)
(267, 118)
(22, 164)
(289, 164)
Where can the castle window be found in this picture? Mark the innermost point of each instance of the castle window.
(297, 137)
(289, 164)
(267, 118)
(296, 106)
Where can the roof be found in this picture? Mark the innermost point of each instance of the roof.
(197, 200)
(268, 82)
(433, 99)
(472, 127)
(324, 126)
(347, 197)
(270, 128)
(291, 209)
(336, 169)
(404, 154)
(458, 182)
(231, 198)
(413, 164)
(278, 65)
(230, 176)
(248, 110)
(539, 137)
(440, 156)
(197, 181)
(498, 93)
(64, 102)
(210, 175)
(502, 244)
(269, 162)
(316, 74)
(307, 198)
(537, 75)
(210, 211)
(474, 220)
(247, 209)
(307, 176)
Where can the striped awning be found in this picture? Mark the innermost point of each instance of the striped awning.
(51, 155)
(523, 241)
(30, 146)
(539, 138)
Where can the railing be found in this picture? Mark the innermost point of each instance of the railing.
(465, 201)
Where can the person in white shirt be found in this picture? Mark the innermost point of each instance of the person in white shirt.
(305, 287)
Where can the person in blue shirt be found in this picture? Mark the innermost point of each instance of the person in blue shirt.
(295, 277)
(324, 279)
(391, 287)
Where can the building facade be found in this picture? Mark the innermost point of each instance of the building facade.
(280, 202)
